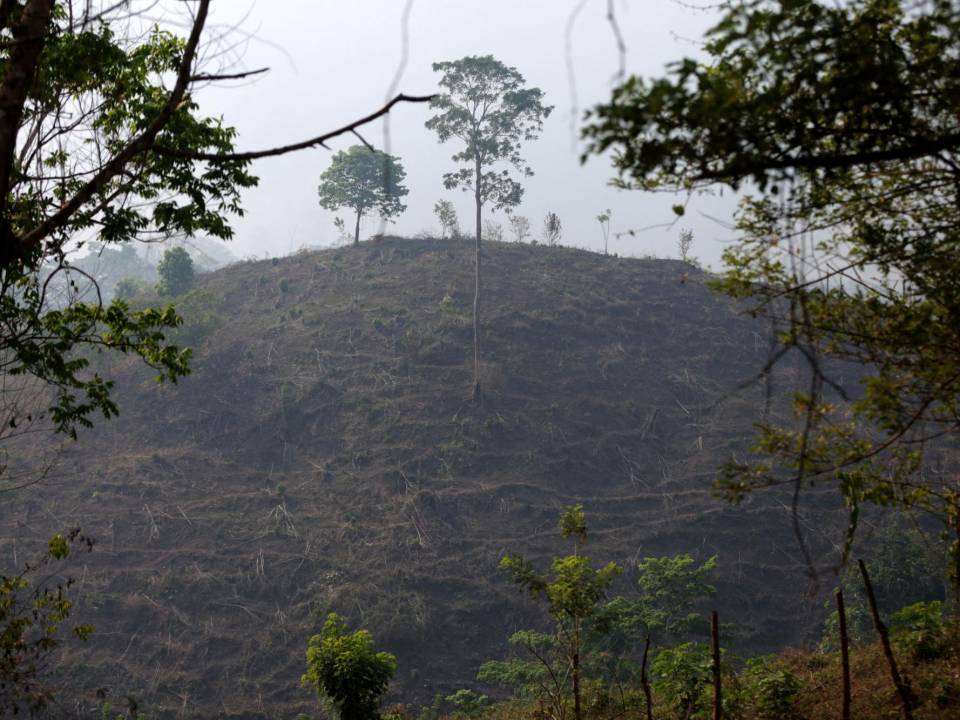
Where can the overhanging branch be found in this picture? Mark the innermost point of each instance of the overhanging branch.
(206, 77)
(924, 147)
(118, 162)
(284, 149)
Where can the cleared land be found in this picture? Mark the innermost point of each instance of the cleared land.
(324, 455)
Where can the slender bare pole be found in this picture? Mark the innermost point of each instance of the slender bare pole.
(477, 390)
(715, 635)
(844, 654)
(645, 681)
(902, 683)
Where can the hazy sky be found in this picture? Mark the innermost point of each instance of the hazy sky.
(332, 62)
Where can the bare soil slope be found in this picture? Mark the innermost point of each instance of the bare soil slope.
(324, 455)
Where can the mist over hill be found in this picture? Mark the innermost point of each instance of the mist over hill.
(103, 267)
(324, 455)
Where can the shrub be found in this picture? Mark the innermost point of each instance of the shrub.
(773, 691)
(448, 305)
(492, 231)
(552, 229)
(198, 322)
(345, 669)
(447, 215)
(919, 630)
(468, 702)
(520, 227)
(682, 677)
(32, 613)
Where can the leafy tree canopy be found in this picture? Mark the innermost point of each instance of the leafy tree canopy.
(86, 102)
(574, 592)
(487, 107)
(575, 589)
(844, 116)
(670, 589)
(347, 671)
(364, 180)
(176, 272)
(102, 140)
(32, 611)
(792, 88)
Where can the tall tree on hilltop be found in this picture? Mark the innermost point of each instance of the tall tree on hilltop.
(486, 107)
(844, 118)
(364, 180)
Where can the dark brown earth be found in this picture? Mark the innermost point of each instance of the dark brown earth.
(324, 456)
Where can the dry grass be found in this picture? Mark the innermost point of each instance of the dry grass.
(343, 376)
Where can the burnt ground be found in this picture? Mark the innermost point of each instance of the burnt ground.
(324, 455)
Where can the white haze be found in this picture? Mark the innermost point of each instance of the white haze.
(332, 62)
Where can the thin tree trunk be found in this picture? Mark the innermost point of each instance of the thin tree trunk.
(477, 391)
(956, 563)
(645, 681)
(901, 683)
(576, 672)
(844, 654)
(356, 232)
(576, 686)
(30, 35)
(715, 636)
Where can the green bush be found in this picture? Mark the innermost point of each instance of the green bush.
(919, 630)
(859, 624)
(33, 613)
(682, 677)
(468, 702)
(772, 691)
(345, 669)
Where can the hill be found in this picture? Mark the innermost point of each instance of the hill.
(324, 455)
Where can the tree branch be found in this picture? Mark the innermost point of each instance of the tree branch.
(284, 149)
(923, 147)
(203, 77)
(116, 164)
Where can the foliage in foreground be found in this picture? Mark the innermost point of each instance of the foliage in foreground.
(843, 116)
(347, 672)
(573, 593)
(795, 685)
(101, 92)
(649, 655)
(32, 610)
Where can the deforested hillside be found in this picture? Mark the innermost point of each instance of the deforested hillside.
(324, 455)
